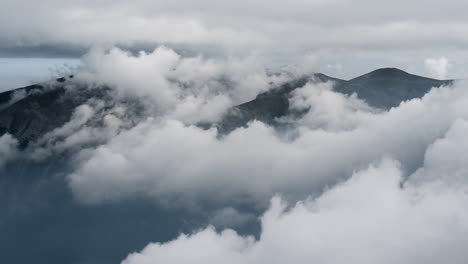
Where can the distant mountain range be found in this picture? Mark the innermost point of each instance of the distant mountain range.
(30, 112)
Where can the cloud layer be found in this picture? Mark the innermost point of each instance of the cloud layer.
(338, 136)
(368, 219)
(247, 24)
(339, 32)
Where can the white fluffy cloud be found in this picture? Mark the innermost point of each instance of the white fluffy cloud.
(445, 160)
(169, 161)
(437, 67)
(368, 219)
(188, 89)
(330, 110)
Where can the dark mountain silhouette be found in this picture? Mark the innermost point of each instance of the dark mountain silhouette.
(30, 112)
(388, 87)
(383, 88)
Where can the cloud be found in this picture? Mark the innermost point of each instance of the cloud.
(368, 219)
(207, 23)
(8, 148)
(445, 159)
(362, 31)
(190, 89)
(91, 124)
(190, 165)
(329, 110)
(229, 217)
(437, 67)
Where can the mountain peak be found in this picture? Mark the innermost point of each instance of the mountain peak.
(384, 73)
(388, 71)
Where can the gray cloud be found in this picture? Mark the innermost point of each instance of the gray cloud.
(279, 30)
(229, 217)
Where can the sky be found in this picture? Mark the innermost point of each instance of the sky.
(342, 38)
(19, 72)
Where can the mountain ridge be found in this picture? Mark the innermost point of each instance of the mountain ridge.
(382, 88)
(30, 112)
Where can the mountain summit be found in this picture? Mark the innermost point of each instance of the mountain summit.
(388, 87)
(383, 88)
(385, 73)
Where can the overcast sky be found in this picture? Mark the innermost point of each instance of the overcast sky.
(343, 38)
